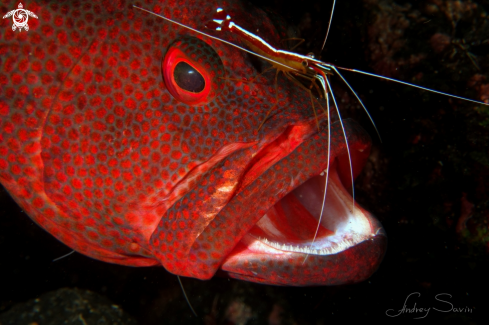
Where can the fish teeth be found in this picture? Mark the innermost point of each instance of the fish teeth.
(333, 248)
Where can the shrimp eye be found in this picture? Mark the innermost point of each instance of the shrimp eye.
(193, 72)
(304, 63)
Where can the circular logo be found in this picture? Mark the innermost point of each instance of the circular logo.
(20, 18)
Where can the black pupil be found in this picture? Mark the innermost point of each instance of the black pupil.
(188, 78)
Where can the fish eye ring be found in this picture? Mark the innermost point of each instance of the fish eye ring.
(193, 71)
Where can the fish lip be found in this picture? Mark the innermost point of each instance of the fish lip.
(356, 264)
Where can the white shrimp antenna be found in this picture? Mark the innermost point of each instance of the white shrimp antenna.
(329, 26)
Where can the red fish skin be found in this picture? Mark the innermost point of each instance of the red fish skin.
(97, 151)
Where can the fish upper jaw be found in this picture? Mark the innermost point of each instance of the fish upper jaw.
(229, 239)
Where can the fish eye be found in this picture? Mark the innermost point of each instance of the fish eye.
(193, 71)
(187, 78)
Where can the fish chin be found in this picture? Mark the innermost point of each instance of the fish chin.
(300, 241)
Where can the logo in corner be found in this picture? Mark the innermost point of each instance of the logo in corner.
(20, 17)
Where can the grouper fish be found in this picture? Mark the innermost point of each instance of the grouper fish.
(133, 141)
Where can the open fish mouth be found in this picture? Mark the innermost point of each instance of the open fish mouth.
(302, 207)
(302, 239)
(254, 214)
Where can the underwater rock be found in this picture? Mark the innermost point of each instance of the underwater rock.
(67, 306)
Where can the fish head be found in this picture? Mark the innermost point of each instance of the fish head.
(111, 144)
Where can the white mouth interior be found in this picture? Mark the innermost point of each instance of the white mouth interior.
(343, 224)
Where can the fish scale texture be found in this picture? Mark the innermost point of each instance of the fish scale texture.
(93, 146)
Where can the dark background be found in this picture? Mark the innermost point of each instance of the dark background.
(426, 182)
